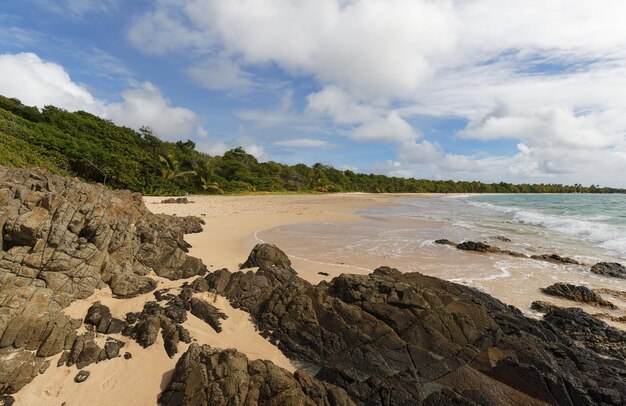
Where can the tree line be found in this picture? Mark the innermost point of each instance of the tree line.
(96, 150)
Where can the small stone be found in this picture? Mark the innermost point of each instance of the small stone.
(128, 355)
(81, 376)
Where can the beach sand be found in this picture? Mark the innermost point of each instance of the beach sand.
(230, 232)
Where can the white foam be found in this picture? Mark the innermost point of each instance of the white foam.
(602, 235)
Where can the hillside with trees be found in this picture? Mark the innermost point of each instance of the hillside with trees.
(96, 150)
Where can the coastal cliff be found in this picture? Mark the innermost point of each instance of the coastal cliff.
(387, 338)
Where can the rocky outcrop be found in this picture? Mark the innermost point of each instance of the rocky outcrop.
(207, 313)
(576, 293)
(609, 269)
(588, 331)
(398, 339)
(207, 376)
(555, 259)
(477, 246)
(266, 255)
(61, 239)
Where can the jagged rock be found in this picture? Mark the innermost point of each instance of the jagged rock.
(128, 285)
(61, 239)
(477, 246)
(81, 376)
(444, 241)
(265, 256)
(146, 331)
(541, 306)
(555, 259)
(609, 269)
(589, 331)
(99, 316)
(207, 376)
(112, 348)
(578, 294)
(132, 317)
(388, 337)
(207, 313)
(200, 285)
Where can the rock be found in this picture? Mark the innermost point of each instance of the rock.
(207, 376)
(387, 337)
(200, 285)
(542, 307)
(478, 247)
(580, 294)
(265, 256)
(131, 317)
(62, 239)
(444, 241)
(128, 355)
(587, 330)
(176, 200)
(112, 348)
(81, 376)
(146, 331)
(99, 316)
(323, 273)
(609, 269)
(6, 400)
(207, 313)
(555, 259)
(128, 285)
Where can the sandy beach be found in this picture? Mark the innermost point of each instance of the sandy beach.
(233, 225)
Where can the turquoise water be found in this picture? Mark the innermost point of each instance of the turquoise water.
(597, 219)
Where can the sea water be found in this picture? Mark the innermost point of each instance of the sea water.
(587, 227)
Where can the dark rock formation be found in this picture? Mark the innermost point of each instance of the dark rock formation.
(99, 316)
(444, 241)
(60, 240)
(207, 313)
(176, 200)
(478, 247)
(555, 259)
(6, 400)
(323, 273)
(81, 376)
(580, 294)
(588, 331)
(207, 376)
(541, 306)
(611, 292)
(200, 285)
(609, 269)
(265, 256)
(85, 351)
(400, 339)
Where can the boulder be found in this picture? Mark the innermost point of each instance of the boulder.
(129, 285)
(444, 241)
(208, 376)
(207, 313)
(612, 269)
(265, 256)
(580, 294)
(477, 246)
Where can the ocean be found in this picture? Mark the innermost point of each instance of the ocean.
(588, 228)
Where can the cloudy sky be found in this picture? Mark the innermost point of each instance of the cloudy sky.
(521, 91)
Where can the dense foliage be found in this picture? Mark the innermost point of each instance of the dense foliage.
(97, 150)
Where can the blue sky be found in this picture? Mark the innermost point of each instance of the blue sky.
(488, 90)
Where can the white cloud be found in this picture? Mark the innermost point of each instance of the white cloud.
(546, 74)
(389, 128)
(220, 74)
(146, 104)
(37, 82)
(303, 143)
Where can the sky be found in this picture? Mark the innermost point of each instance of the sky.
(490, 90)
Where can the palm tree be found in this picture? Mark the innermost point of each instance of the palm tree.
(213, 186)
(171, 168)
